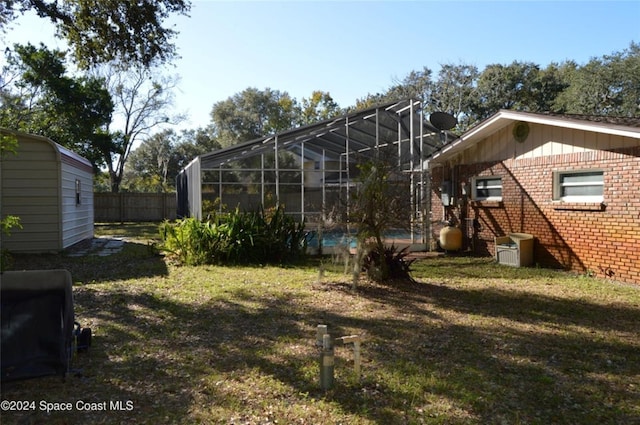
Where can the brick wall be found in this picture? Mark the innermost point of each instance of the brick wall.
(583, 237)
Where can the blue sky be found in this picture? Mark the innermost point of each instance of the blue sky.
(353, 48)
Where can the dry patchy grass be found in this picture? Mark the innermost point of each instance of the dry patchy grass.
(470, 343)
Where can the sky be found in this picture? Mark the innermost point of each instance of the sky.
(353, 48)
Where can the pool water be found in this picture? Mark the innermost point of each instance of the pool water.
(334, 239)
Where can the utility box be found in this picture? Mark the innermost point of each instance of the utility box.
(37, 323)
(515, 249)
(446, 194)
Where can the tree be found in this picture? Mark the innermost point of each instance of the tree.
(505, 87)
(140, 101)
(369, 101)
(153, 166)
(103, 31)
(151, 161)
(252, 114)
(416, 85)
(453, 91)
(319, 106)
(549, 86)
(41, 98)
(604, 86)
(380, 202)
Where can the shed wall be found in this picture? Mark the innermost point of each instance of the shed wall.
(31, 191)
(77, 201)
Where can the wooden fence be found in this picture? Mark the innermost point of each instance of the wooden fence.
(121, 207)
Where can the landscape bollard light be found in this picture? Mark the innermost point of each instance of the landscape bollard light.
(321, 332)
(355, 340)
(326, 363)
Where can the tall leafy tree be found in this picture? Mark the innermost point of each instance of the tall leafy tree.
(107, 30)
(152, 161)
(153, 166)
(453, 92)
(318, 107)
(253, 113)
(549, 85)
(505, 87)
(609, 85)
(44, 99)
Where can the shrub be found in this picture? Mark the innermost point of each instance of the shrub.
(255, 237)
(387, 264)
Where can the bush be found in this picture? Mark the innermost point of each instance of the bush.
(388, 264)
(257, 237)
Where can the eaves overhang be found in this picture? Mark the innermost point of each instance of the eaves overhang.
(504, 118)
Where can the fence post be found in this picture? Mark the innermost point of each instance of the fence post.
(121, 206)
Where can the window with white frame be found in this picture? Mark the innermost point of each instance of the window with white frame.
(487, 188)
(578, 186)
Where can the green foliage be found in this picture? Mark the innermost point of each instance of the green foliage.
(607, 85)
(8, 223)
(318, 107)
(8, 144)
(104, 31)
(45, 100)
(251, 114)
(254, 113)
(380, 203)
(388, 264)
(604, 86)
(257, 237)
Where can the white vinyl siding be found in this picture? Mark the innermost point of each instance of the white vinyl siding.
(38, 185)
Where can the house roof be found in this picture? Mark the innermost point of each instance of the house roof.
(381, 124)
(620, 126)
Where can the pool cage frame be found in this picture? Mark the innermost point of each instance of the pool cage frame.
(313, 170)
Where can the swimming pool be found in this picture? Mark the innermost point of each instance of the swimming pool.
(332, 240)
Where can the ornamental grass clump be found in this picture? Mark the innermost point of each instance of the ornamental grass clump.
(237, 237)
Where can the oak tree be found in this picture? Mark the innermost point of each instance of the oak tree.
(101, 31)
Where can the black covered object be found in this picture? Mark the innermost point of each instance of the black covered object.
(182, 195)
(37, 323)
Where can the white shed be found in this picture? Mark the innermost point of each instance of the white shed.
(50, 189)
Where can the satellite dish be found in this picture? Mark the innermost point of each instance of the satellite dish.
(443, 121)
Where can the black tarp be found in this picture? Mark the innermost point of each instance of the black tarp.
(37, 322)
(182, 193)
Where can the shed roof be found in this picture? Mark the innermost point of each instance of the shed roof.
(376, 126)
(63, 152)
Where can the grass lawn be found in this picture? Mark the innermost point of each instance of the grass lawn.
(471, 342)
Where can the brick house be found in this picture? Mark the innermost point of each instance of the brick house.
(573, 182)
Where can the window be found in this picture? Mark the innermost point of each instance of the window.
(78, 192)
(578, 186)
(487, 188)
